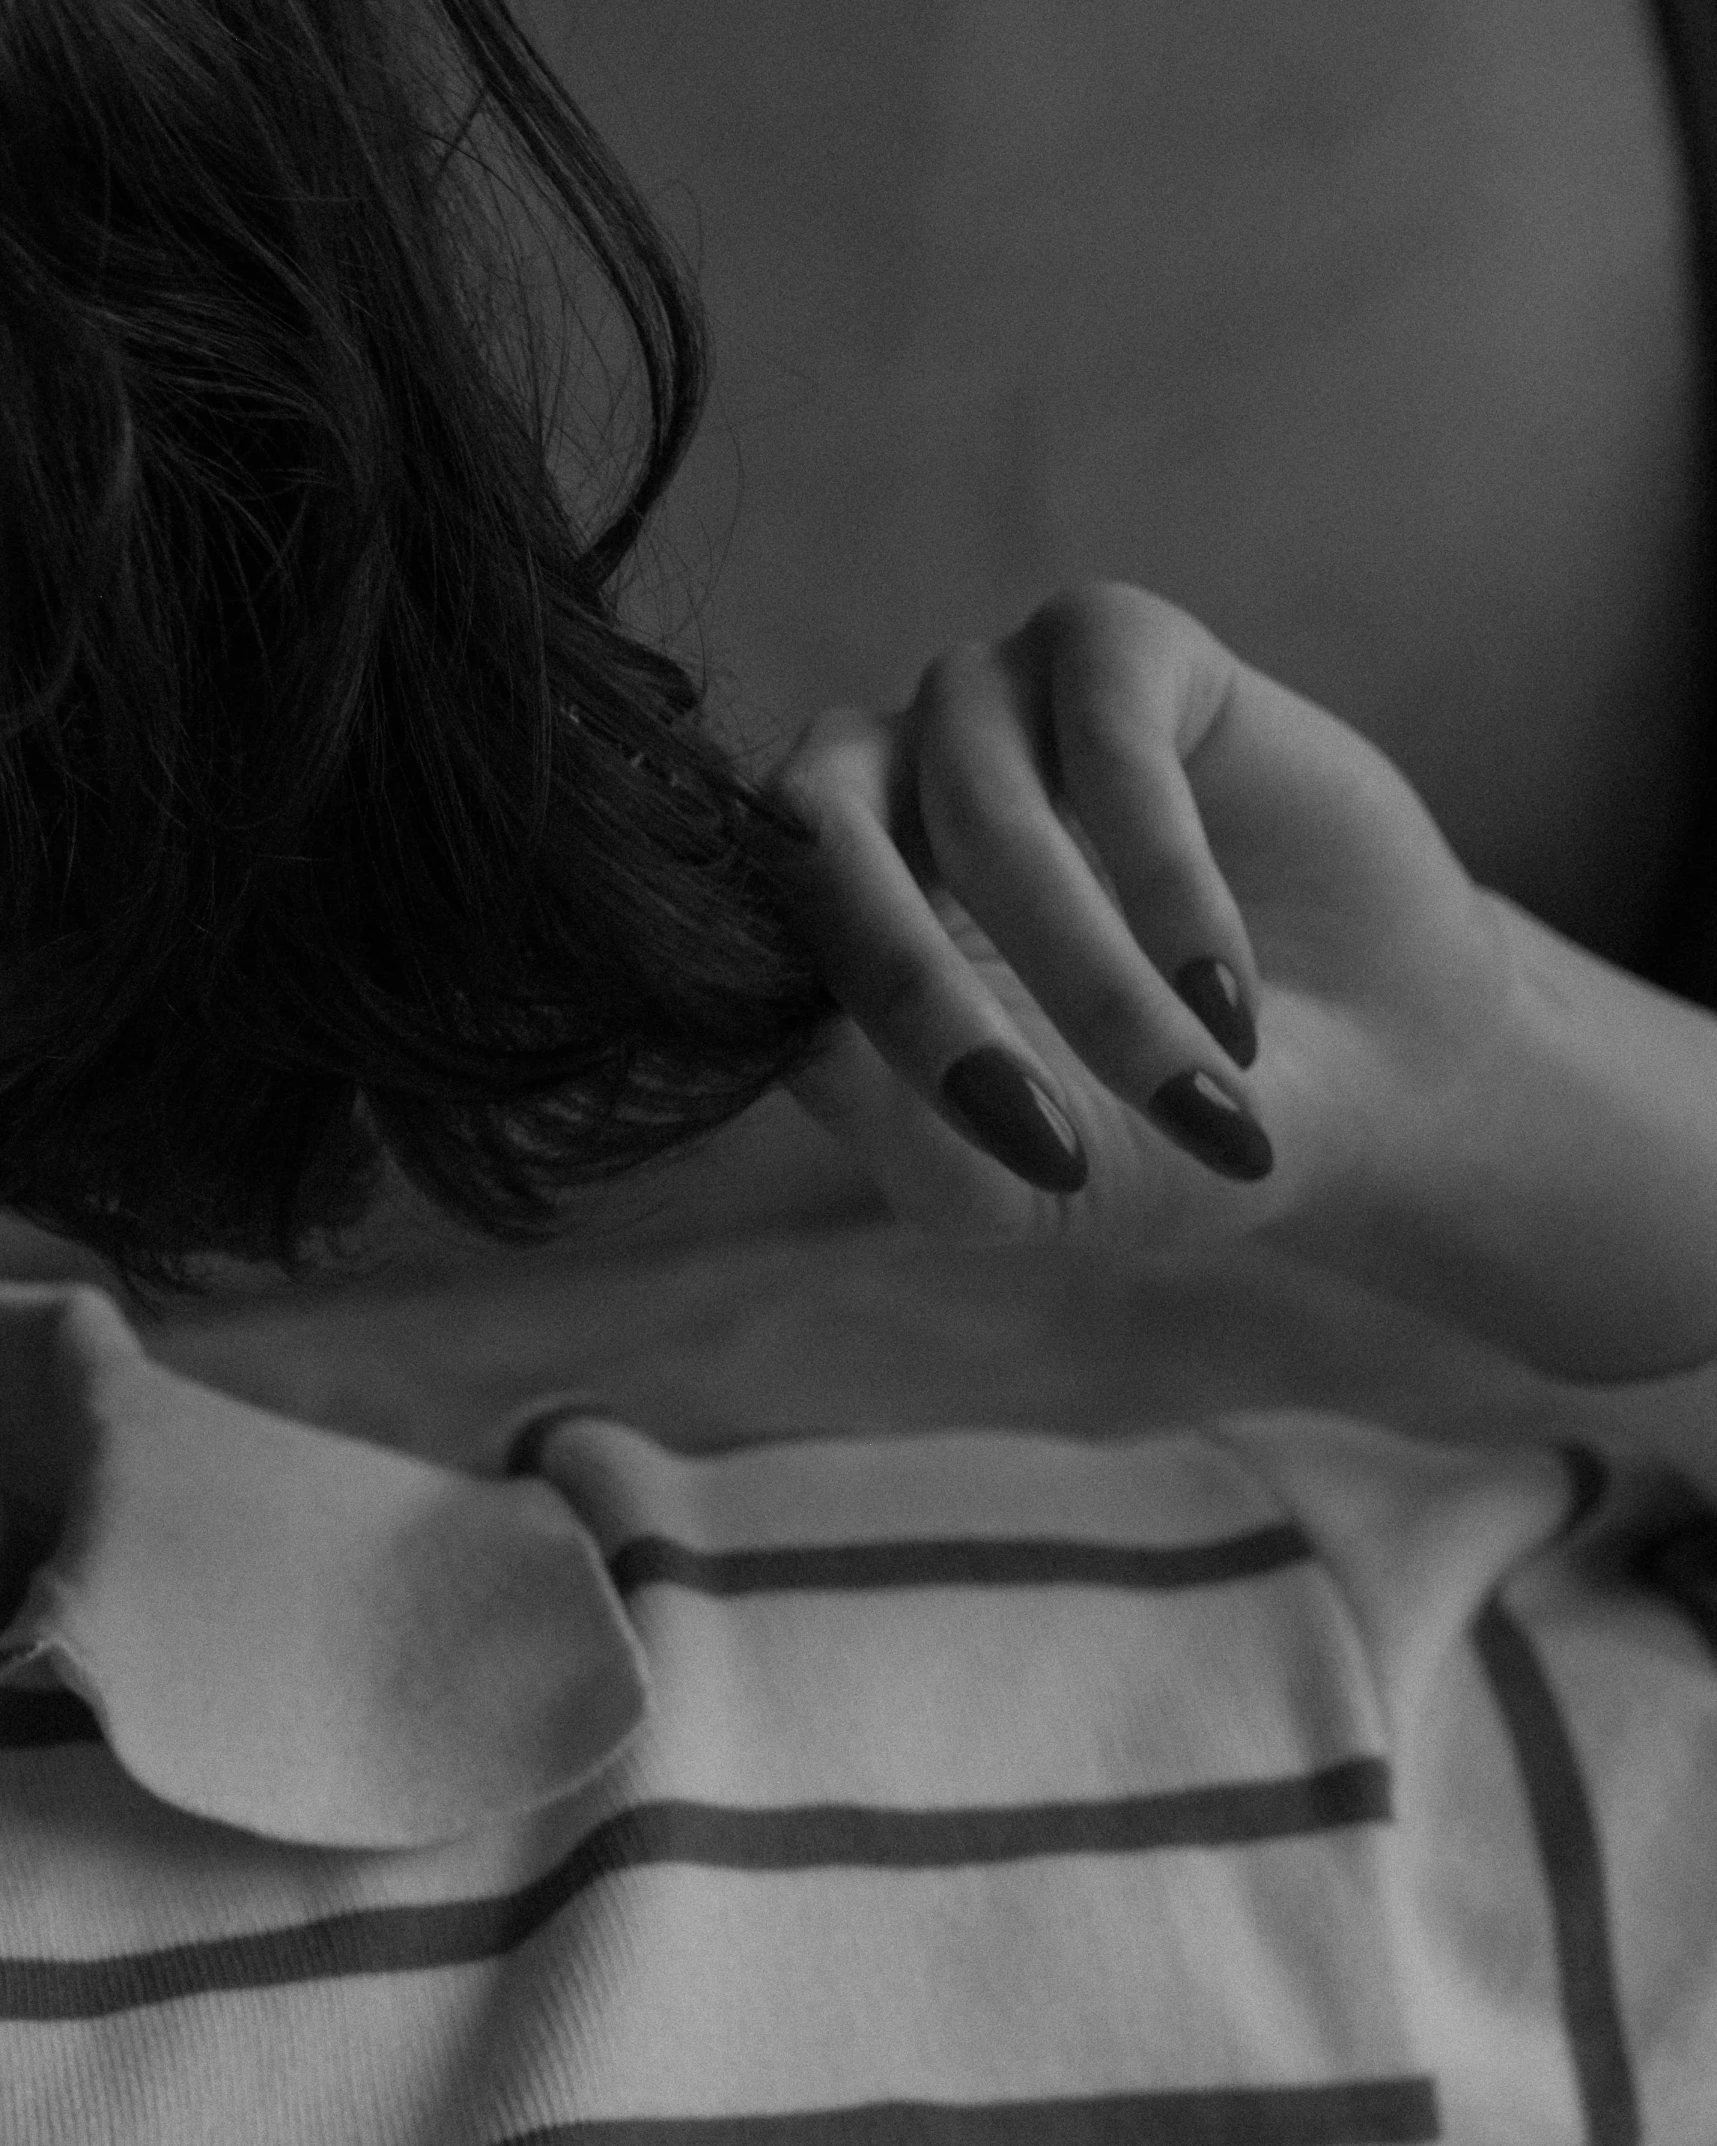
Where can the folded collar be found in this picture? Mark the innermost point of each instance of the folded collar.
(287, 1630)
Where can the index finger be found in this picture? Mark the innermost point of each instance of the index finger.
(887, 957)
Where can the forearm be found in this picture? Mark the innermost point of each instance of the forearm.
(1562, 1204)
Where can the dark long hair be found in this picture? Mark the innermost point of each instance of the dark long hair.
(343, 818)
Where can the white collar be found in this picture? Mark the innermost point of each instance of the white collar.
(291, 1631)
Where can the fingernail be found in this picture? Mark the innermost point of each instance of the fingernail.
(1020, 1125)
(1209, 988)
(1205, 1119)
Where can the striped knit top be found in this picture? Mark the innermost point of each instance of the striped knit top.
(1266, 1779)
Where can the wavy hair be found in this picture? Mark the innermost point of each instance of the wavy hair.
(343, 817)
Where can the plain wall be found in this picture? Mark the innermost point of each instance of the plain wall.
(1364, 332)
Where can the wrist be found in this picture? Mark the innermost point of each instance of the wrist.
(1558, 1196)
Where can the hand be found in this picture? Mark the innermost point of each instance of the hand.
(1032, 853)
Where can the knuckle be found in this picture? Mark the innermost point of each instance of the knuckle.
(957, 665)
(1081, 604)
(1146, 628)
(802, 795)
(816, 768)
(957, 696)
(963, 807)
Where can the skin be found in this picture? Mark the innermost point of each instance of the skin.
(962, 894)
(1394, 387)
(1367, 339)
(1467, 1109)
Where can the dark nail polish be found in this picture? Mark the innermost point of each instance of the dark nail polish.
(1013, 1118)
(1204, 1118)
(1209, 988)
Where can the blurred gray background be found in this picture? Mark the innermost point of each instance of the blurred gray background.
(1364, 332)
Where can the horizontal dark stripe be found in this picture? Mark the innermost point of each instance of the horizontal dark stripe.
(1353, 2112)
(1573, 1867)
(30, 1719)
(400, 1940)
(957, 1561)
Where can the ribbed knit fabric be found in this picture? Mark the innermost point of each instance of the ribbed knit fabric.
(1275, 1779)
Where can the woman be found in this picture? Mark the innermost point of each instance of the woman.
(1272, 1779)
